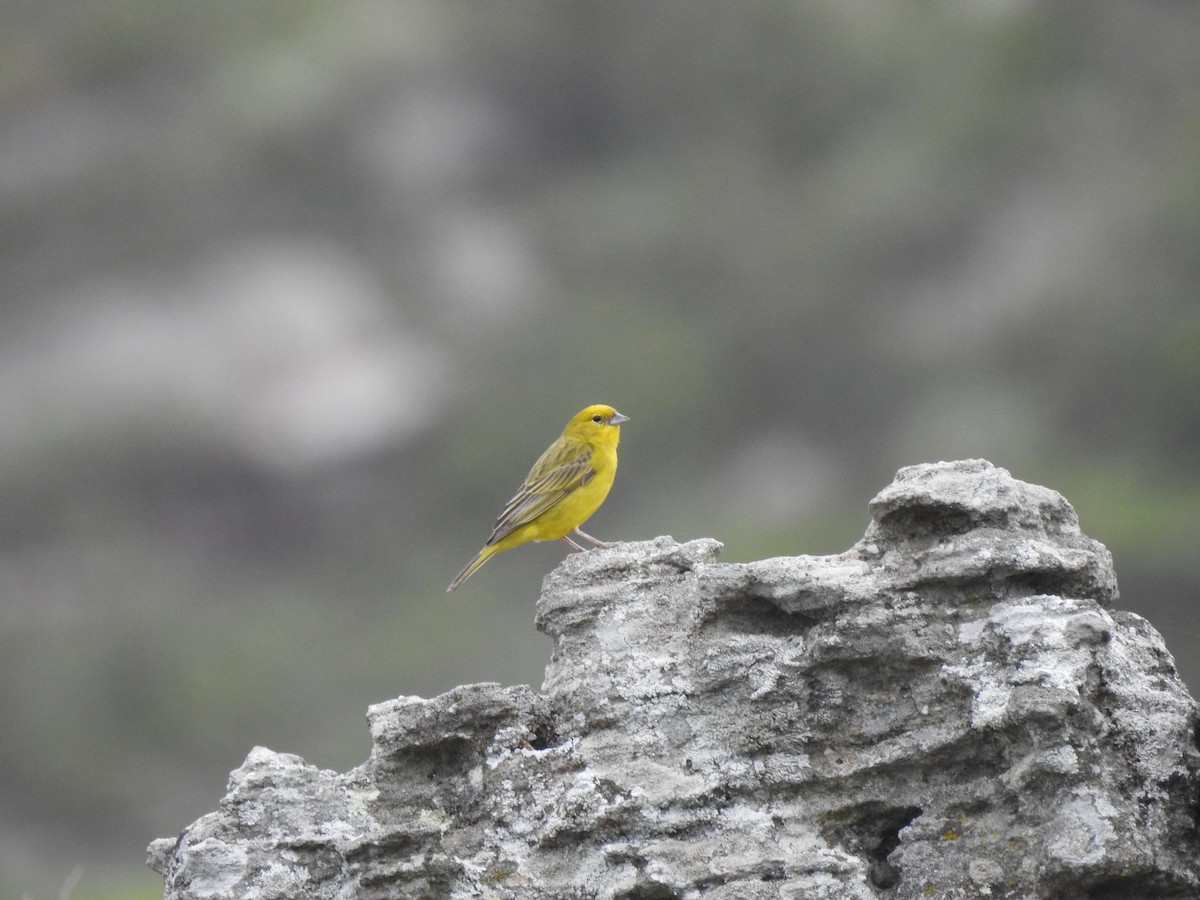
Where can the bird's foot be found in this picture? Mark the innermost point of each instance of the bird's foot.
(599, 543)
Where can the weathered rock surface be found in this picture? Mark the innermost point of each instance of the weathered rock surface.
(948, 709)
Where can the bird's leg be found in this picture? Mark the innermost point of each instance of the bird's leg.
(598, 543)
(573, 544)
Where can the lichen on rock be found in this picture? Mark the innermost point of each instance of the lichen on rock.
(948, 709)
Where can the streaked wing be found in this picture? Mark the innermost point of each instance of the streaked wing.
(564, 466)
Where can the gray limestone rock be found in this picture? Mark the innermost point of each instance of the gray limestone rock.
(949, 709)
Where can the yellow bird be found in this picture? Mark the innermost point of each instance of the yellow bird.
(564, 487)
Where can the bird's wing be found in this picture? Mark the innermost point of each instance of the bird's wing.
(565, 466)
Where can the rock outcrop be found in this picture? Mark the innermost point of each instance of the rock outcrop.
(949, 709)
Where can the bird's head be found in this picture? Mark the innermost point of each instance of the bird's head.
(596, 423)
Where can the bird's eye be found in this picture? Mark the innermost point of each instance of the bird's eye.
(597, 418)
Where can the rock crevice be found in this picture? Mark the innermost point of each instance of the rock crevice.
(950, 708)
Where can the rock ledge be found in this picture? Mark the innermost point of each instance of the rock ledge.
(948, 709)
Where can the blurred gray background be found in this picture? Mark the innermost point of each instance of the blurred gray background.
(294, 293)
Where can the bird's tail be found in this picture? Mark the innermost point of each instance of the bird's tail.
(469, 569)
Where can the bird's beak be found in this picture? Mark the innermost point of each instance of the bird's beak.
(617, 419)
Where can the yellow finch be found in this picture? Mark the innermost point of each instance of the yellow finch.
(564, 487)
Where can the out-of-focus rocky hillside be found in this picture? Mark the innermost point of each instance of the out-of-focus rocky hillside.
(295, 293)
